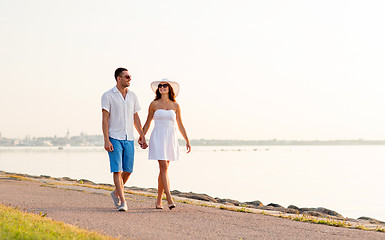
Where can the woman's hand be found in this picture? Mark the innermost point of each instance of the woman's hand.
(188, 146)
(142, 142)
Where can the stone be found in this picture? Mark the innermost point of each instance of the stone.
(371, 220)
(228, 201)
(273, 205)
(313, 213)
(293, 207)
(85, 181)
(322, 211)
(254, 204)
(197, 196)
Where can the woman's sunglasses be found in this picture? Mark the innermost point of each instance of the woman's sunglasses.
(162, 85)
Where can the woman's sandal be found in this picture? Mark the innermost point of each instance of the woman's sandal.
(171, 206)
(158, 207)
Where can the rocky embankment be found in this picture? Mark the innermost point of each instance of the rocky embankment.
(292, 209)
(315, 212)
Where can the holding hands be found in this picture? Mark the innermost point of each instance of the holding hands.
(142, 142)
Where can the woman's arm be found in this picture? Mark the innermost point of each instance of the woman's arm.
(149, 118)
(181, 127)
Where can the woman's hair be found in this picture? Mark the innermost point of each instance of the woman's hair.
(171, 94)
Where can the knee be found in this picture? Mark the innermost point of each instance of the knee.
(163, 166)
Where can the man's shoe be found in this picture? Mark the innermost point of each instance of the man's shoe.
(115, 199)
(122, 207)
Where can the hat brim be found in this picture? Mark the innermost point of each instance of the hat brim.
(174, 85)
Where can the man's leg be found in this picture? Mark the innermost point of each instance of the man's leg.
(116, 169)
(119, 186)
(127, 160)
(125, 176)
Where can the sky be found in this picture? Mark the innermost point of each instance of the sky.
(248, 70)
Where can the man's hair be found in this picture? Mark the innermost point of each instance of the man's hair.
(118, 72)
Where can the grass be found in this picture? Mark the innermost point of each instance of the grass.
(15, 224)
(330, 222)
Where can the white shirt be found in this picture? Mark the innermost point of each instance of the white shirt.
(121, 121)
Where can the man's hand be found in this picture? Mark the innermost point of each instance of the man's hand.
(142, 142)
(108, 146)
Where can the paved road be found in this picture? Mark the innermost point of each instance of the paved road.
(142, 221)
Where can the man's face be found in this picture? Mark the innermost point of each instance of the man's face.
(124, 79)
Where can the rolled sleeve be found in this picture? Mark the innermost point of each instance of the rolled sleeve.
(136, 104)
(106, 105)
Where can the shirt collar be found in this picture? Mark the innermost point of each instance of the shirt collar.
(115, 90)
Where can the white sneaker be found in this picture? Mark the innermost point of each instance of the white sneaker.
(122, 207)
(115, 199)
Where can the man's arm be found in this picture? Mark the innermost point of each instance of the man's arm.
(107, 144)
(138, 126)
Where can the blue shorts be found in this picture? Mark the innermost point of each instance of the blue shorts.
(122, 158)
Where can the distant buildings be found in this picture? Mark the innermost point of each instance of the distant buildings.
(97, 140)
(67, 140)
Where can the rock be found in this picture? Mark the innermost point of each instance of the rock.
(313, 213)
(254, 204)
(106, 185)
(68, 179)
(273, 205)
(134, 188)
(291, 210)
(371, 220)
(293, 207)
(328, 212)
(197, 196)
(85, 181)
(228, 201)
(45, 176)
(322, 211)
(280, 209)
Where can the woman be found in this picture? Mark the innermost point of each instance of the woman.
(163, 145)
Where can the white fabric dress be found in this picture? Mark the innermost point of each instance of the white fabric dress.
(163, 143)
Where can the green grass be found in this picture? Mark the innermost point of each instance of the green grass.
(15, 224)
(330, 222)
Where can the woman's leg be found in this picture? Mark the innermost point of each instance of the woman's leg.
(163, 177)
(160, 191)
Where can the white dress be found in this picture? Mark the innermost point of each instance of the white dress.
(163, 143)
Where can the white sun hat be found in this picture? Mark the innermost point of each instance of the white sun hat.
(174, 85)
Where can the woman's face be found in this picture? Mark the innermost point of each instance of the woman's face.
(163, 87)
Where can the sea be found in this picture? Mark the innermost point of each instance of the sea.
(346, 179)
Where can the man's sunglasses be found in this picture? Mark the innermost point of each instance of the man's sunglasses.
(127, 77)
(163, 85)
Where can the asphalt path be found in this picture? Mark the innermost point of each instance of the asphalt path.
(95, 211)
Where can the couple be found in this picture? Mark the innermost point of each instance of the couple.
(120, 113)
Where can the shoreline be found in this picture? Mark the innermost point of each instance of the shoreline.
(205, 200)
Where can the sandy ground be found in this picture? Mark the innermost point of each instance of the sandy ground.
(94, 210)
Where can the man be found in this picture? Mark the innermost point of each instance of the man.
(120, 113)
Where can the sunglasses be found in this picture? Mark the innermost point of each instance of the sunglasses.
(127, 77)
(163, 85)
